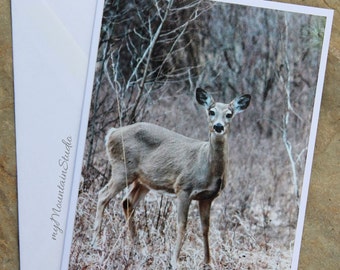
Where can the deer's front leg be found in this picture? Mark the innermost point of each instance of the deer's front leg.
(183, 203)
(204, 207)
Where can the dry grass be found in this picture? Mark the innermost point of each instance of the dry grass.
(235, 241)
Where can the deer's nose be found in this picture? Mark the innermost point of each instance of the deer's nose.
(218, 128)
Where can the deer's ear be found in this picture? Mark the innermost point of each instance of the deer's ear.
(204, 98)
(241, 103)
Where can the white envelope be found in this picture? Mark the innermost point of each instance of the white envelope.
(51, 43)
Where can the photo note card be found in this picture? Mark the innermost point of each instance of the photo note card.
(197, 135)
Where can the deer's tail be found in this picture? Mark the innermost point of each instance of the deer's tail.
(108, 134)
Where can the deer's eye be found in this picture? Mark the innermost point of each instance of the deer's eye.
(229, 115)
(211, 113)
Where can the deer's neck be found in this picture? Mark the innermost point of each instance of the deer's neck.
(218, 155)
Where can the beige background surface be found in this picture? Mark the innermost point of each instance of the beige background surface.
(321, 236)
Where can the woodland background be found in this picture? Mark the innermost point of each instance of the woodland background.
(151, 57)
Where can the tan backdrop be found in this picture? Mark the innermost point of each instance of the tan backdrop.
(320, 244)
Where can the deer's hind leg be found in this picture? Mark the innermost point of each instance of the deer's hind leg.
(116, 184)
(136, 194)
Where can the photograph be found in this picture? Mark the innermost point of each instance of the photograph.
(197, 136)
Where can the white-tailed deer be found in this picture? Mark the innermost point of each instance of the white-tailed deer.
(147, 156)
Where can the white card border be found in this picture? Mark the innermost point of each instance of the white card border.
(82, 135)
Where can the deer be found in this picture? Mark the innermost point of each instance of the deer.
(146, 157)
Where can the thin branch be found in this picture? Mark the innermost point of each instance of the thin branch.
(147, 53)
